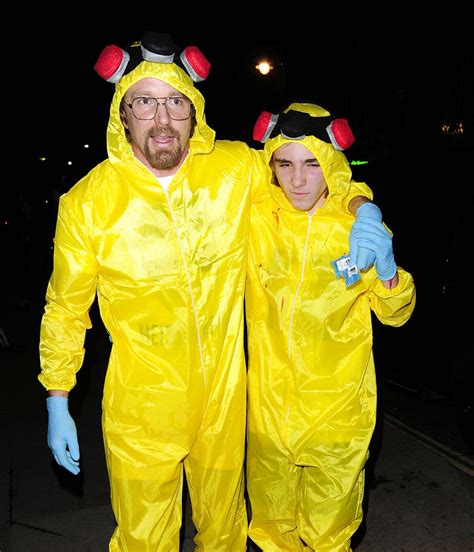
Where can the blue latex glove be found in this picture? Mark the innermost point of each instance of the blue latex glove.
(62, 434)
(373, 235)
(361, 256)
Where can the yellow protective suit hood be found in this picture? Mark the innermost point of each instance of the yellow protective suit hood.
(118, 147)
(334, 163)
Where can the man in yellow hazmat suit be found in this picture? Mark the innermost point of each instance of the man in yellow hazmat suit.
(159, 231)
(311, 379)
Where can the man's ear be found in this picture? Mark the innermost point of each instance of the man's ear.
(123, 117)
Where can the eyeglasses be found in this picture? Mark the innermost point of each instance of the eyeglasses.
(145, 108)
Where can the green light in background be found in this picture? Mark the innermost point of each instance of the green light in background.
(359, 162)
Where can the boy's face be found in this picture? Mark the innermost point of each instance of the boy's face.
(300, 176)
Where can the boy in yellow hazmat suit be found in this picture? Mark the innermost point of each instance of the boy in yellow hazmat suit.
(159, 231)
(311, 379)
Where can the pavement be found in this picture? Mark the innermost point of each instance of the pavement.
(420, 493)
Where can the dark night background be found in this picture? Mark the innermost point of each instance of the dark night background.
(397, 89)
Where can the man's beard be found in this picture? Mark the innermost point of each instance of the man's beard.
(163, 159)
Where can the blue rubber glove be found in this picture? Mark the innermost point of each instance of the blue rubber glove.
(373, 235)
(62, 434)
(361, 256)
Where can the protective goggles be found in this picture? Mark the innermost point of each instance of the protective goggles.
(295, 125)
(115, 62)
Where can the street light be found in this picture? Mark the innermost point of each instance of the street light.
(264, 67)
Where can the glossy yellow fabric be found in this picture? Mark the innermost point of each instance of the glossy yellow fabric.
(311, 379)
(169, 270)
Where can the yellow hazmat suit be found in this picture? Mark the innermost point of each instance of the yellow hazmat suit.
(311, 379)
(169, 271)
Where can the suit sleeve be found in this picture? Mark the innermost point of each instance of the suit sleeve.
(393, 307)
(70, 294)
(356, 189)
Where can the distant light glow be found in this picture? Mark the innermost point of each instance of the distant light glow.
(264, 67)
(69, 162)
(453, 128)
(86, 146)
(42, 158)
(359, 162)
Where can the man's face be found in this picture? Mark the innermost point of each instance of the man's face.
(300, 176)
(160, 143)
